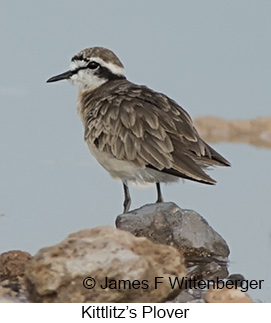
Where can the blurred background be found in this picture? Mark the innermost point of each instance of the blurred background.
(212, 57)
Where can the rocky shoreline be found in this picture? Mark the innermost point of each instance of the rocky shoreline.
(158, 253)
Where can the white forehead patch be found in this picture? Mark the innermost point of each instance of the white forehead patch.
(77, 64)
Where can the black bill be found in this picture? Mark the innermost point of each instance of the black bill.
(63, 76)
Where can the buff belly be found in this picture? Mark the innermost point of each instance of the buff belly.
(128, 171)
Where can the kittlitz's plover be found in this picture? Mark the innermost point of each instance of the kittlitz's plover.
(136, 134)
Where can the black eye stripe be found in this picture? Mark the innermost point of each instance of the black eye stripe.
(92, 65)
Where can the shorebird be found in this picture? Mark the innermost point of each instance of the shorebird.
(138, 135)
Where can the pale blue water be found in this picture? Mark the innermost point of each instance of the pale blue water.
(214, 59)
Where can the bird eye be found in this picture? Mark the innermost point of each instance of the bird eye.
(93, 65)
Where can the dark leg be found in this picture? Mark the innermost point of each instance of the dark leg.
(127, 198)
(159, 194)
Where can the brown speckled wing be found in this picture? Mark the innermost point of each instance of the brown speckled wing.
(147, 128)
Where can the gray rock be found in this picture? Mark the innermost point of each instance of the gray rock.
(56, 274)
(168, 224)
(207, 268)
